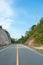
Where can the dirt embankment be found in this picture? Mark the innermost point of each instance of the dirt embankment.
(30, 42)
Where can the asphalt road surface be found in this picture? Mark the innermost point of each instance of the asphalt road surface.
(20, 55)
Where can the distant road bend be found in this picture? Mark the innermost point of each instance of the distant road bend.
(20, 55)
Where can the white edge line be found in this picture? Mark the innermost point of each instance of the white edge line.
(33, 50)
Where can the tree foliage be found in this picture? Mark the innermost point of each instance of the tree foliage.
(35, 32)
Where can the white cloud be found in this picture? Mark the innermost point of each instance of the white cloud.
(5, 14)
(6, 23)
(5, 8)
(16, 33)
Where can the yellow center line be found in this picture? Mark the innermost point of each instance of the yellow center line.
(17, 58)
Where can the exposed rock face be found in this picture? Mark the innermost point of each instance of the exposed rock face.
(30, 42)
(4, 39)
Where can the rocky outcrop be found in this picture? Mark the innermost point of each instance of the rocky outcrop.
(4, 39)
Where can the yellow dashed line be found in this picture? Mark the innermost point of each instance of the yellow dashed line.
(17, 58)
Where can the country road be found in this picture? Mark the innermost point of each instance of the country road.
(20, 55)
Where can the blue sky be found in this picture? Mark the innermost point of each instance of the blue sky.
(17, 16)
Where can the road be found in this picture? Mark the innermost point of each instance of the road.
(20, 55)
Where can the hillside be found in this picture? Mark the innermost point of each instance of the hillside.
(36, 33)
(34, 36)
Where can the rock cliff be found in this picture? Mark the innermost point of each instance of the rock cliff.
(4, 38)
